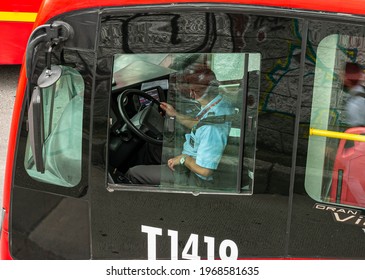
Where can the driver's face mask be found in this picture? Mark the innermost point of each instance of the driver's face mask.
(200, 92)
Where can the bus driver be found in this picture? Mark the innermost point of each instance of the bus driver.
(203, 146)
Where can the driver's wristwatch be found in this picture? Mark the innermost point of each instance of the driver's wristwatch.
(182, 160)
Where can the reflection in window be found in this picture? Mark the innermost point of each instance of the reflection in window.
(62, 127)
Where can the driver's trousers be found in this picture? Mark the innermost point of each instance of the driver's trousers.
(162, 174)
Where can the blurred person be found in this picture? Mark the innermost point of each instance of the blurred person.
(355, 107)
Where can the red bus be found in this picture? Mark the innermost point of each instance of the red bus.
(186, 130)
(16, 24)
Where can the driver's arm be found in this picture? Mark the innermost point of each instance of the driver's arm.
(186, 121)
(190, 164)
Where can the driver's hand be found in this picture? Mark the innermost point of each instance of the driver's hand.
(172, 162)
(169, 109)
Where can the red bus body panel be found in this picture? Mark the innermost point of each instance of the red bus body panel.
(4, 249)
(14, 34)
(13, 41)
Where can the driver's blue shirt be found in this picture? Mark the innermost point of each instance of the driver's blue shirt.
(206, 143)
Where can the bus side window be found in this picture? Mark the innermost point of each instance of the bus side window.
(62, 130)
(334, 164)
(211, 121)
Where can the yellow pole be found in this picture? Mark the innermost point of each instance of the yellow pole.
(335, 134)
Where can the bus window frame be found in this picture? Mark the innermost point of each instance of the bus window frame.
(110, 186)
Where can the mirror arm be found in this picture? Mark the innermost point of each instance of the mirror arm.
(48, 56)
(54, 33)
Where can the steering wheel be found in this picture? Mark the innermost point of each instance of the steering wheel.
(148, 120)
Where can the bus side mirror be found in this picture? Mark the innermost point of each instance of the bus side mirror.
(36, 128)
(48, 78)
(51, 35)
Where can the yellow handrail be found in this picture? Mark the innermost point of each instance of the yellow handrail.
(335, 134)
